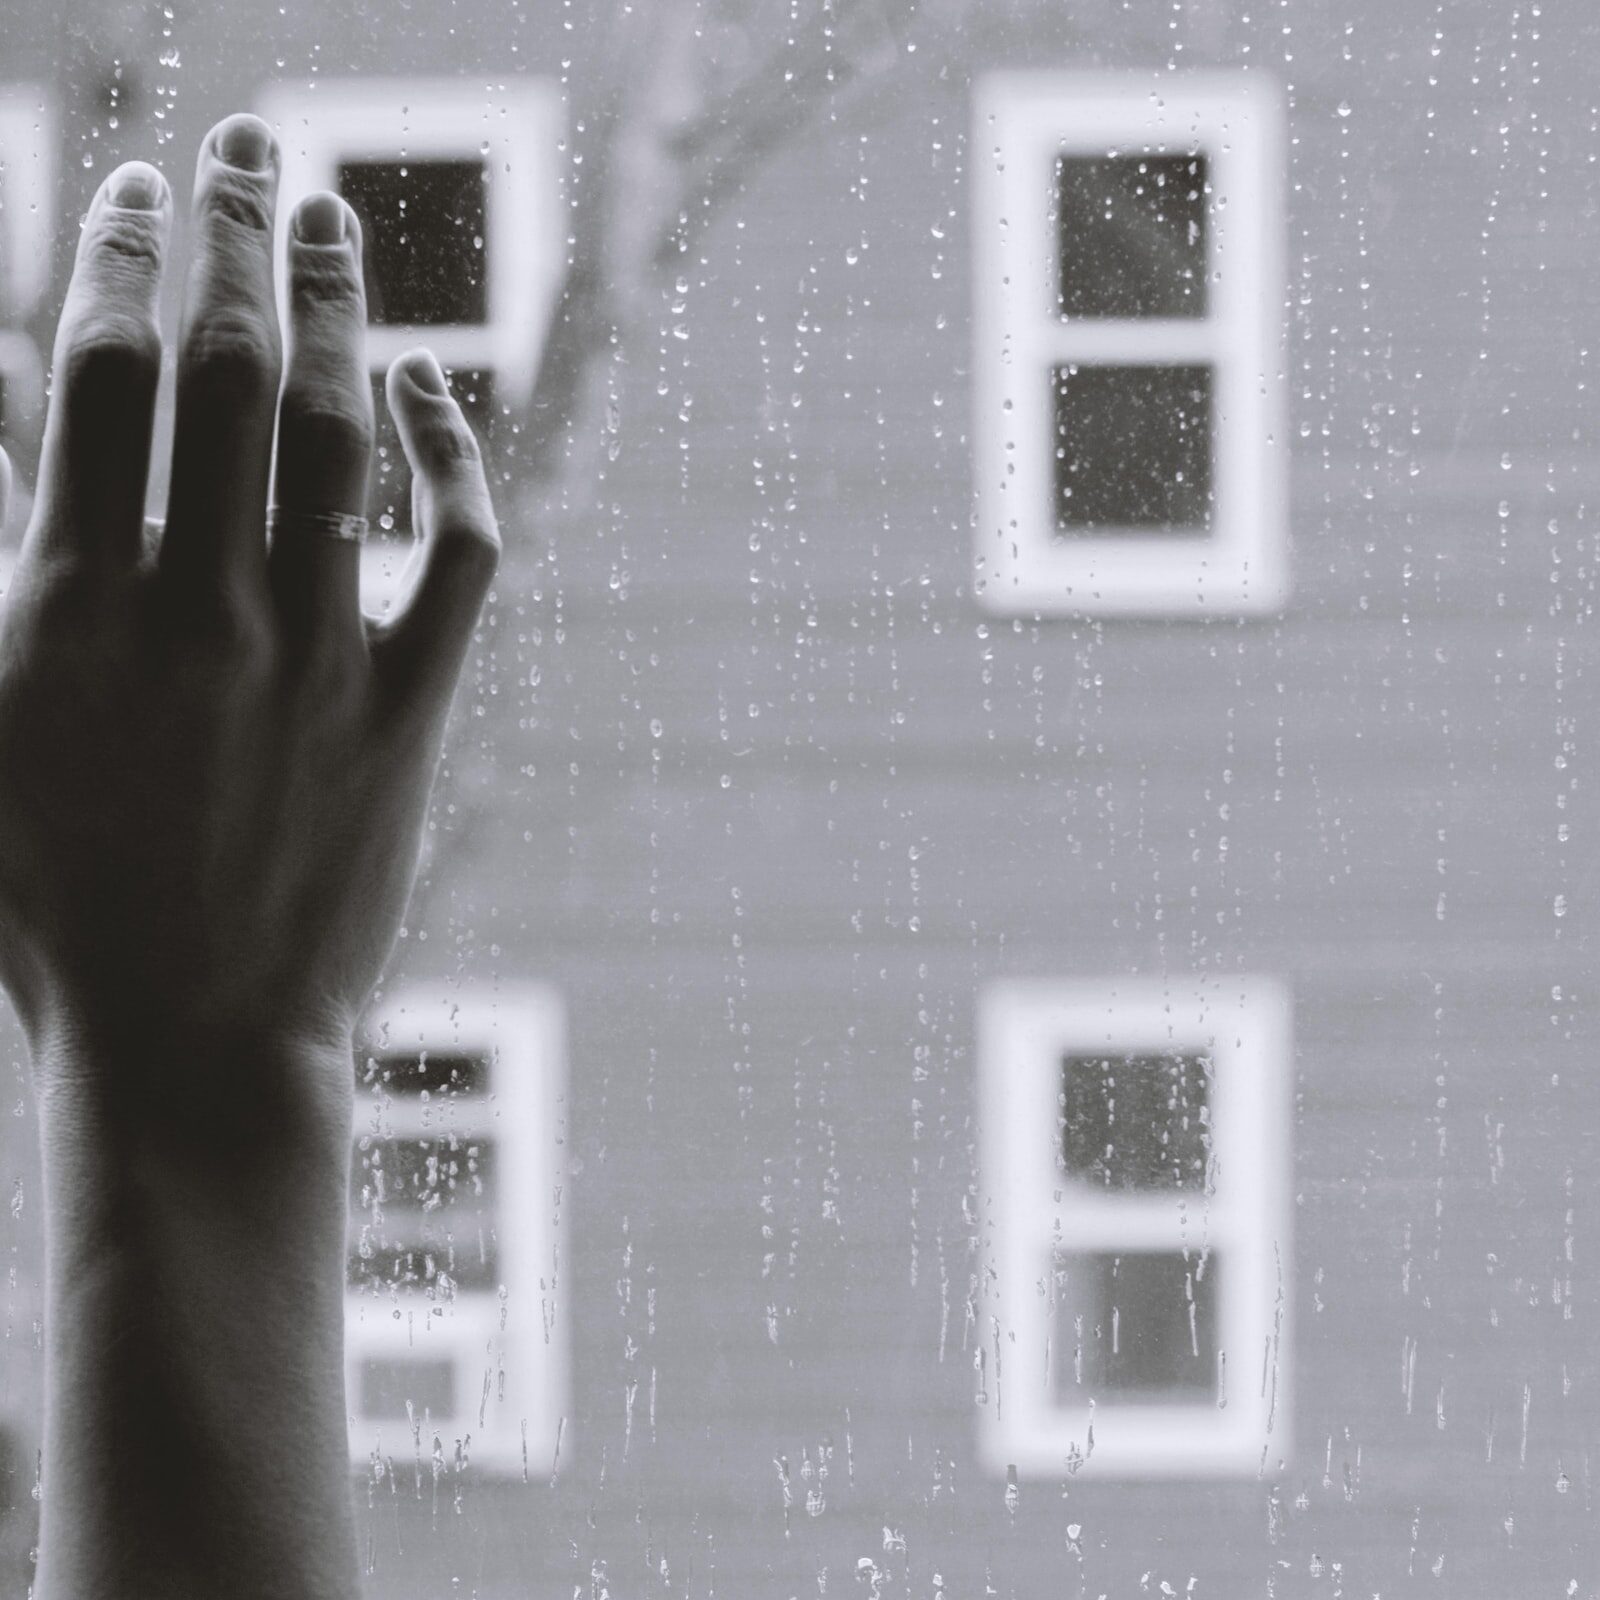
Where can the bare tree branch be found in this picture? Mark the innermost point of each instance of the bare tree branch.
(695, 108)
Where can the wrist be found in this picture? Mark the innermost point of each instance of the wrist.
(249, 1103)
(74, 1029)
(211, 1170)
(196, 1193)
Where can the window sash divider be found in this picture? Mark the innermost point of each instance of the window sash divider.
(22, 364)
(28, 146)
(1084, 1222)
(1163, 342)
(456, 344)
(404, 1116)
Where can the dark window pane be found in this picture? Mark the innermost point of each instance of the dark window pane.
(1133, 235)
(1132, 449)
(379, 1264)
(423, 228)
(388, 1383)
(389, 485)
(436, 1071)
(422, 1209)
(421, 1173)
(1135, 1122)
(1136, 1328)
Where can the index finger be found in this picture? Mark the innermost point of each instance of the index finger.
(105, 368)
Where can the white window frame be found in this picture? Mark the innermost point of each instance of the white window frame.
(28, 200)
(27, 241)
(522, 122)
(1024, 121)
(513, 1337)
(1037, 1213)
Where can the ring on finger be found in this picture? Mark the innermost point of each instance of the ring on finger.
(347, 526)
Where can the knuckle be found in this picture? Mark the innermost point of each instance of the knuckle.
(327, 421)
(325, 281)
(470, 546)
(126, 242)
(239, 203)
(56, 587)
(109, 350)
(448, 442)
(234, 630)
(236, 348)
(335, 665)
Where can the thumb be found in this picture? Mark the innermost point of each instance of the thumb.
(426, 643)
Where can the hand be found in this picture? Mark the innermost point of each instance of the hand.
(213, 775)
(213, 769)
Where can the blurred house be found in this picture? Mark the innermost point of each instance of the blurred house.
(1000, 997)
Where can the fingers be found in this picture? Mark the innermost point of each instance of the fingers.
(228, 367)
(107, 363)
(324, 423)
(422, 649)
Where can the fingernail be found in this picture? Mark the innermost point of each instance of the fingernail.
(136, 187)
(320, 220)
(424, 371)
(245, 142)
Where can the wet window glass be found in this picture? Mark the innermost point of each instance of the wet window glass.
(1132, 235)
(1129, 380)
(1000, 996)
(423, 228)
(1133, 449)
(454, 1236)
(406, 1389)
(29, 161)
(422, 1214)
(1135, 1122)
(1139, 1328)
(428, 1072)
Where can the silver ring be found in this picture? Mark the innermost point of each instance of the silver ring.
(345, 525)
